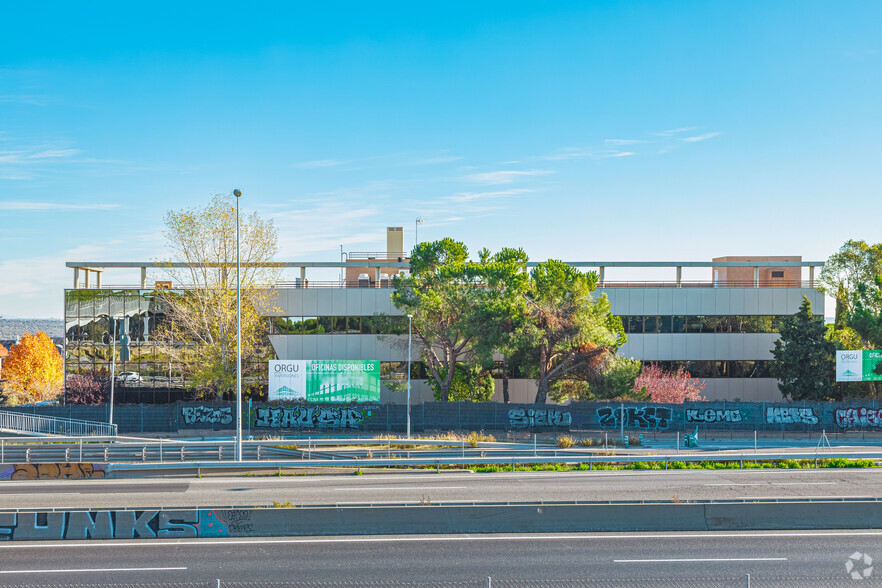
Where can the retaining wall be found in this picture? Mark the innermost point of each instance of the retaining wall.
(864, 415)
(536, 518)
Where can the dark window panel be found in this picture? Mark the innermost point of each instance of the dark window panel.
(665, 324)
(678, 324)
(635, 324)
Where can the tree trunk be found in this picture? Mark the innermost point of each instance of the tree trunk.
(505, 397)
(445, 387)
(542, 392)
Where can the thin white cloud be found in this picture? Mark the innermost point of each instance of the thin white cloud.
(472, 196)
(672, 132)
(320, 163)
(699, 137)
(621, 154)
(32, 99)
(861, 53)
(505, 176)
(53, 153)
(51, 206)
(565, 153)
(623, 141)
(438, 159)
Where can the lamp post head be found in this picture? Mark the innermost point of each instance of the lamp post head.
(237, 193)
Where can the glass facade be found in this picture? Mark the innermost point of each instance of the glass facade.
(703, 324)
(145, 371)
(339, 325)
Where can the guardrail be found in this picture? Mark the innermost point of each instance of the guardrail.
(507, 460)
(128, 453)
(46, 425)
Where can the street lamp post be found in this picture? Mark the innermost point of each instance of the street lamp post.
(238, 194)
(409, 330)
(112, 366)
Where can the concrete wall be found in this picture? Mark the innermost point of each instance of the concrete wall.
(75, 525)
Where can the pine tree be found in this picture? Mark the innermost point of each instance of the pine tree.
(803, 361)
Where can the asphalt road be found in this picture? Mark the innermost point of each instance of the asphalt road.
(446, 487)
(667, 559)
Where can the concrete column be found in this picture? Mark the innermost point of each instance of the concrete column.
(98, 279)
(811, 276)
(143, 278)
(76, 278)
(679, 277)
(87, 277)
(377, 277)
(756, 277)
(303, 277)
(602, 275)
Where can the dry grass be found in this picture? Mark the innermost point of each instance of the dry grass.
(472, 438)
(565, 441)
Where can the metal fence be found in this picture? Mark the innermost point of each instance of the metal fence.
(48, 425)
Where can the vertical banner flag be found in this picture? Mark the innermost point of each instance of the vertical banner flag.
(324, 380)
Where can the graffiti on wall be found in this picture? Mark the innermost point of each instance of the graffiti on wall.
(715, 415)
(656, 418)
(207, 415)
(310, 417)
(122, 524)
(52, 471)
(521, 418)
(786, 415)
(851, 418)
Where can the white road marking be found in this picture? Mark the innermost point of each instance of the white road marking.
(776, 484)
(435, 502)
(88, 570)
(430, 539)
(400, 488)
(696, 559)
(800, 497)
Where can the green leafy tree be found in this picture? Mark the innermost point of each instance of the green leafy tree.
(573, 335)
(616, 383)
(855, 263)
(866, 318)
(803, 357)
(200, 333)
(865, 322)
(500, 314)
(470, 383)
(440, 294)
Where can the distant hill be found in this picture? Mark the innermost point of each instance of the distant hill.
(11, 329)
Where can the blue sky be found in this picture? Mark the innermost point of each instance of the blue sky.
(576, 130)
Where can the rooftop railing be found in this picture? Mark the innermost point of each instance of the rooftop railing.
(384, 283)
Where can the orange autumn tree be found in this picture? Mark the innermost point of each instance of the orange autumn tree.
(33, 370)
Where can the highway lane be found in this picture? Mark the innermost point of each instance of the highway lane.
(662, 559)
(446, 487)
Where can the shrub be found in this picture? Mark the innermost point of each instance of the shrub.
(565, 441)
(85, 390)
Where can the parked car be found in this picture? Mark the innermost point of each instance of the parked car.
(129, 378)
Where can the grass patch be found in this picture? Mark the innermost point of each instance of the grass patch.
(681, 465)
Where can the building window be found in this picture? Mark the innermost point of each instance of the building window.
(777, 273)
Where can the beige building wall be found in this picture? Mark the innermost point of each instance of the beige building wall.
(767, 276)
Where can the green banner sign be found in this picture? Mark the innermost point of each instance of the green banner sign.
(324, 380)
(859, 365)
